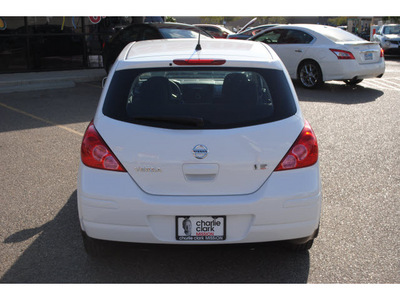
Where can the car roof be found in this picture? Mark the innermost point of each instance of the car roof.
(314, 27)
(158, 53)
(262, 26)
(168, 24)
(213, 25)
(163, 25)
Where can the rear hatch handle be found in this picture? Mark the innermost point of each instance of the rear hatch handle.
(200, 172)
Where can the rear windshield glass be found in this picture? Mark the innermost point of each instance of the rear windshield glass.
(338, 35)
(188, 98)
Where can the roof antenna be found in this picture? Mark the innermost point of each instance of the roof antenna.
(198, 47)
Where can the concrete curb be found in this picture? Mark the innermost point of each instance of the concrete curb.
(22, 82)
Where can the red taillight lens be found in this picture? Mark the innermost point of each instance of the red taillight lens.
(95, 152)
(342, 54)
(382, 53)
(196, 62)
(303, 153)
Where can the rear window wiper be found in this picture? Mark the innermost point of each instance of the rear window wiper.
(187, 121)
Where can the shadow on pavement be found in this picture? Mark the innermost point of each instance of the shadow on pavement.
(338, 93)
(57, 256)
(60, 106)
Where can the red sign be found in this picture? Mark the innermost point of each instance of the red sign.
(95, 20)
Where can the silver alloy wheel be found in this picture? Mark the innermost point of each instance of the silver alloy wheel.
(310, 75)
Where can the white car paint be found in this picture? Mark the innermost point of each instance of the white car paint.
(164, 179)
(319, 51)
(388, 37)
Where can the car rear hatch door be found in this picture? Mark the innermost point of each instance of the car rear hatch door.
(199, 162)
(199, 130)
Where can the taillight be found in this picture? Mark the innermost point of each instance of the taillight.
(303, 153)
(96, 154)
(382, 53)
(342, 54)
(203, 62)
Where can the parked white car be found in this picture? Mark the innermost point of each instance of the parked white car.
(317, 53)
(198, 145)
(388, 37)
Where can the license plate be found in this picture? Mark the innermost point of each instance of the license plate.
(200, 228)
(368, 56)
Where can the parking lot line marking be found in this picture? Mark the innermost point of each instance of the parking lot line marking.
(380, 84)
(41, 119)
(395, 83)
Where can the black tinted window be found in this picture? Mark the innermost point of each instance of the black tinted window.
(128, 35)
(199, 98)
(271, 37)
(151, 34)
(285, 36)
(296, 37)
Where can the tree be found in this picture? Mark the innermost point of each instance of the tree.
(170, 19)
(218, 20)
(339, 21)
(391, 19)
(271, 20)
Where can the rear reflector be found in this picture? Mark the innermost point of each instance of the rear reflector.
(197, 62)
(303, 153)
(96, 154)
(342, 54)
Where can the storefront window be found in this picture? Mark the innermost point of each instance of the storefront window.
(55, 43)
(12, 44)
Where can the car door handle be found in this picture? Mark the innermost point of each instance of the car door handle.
(298, 50)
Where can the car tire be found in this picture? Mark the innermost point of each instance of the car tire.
(302, 244)
(300, 247)
(310, 75)
(352, 81)
(94, 247)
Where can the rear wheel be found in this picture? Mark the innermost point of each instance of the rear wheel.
(310, 74)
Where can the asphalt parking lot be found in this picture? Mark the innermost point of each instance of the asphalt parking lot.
(359, 139)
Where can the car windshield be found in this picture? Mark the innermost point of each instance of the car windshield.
(177, 33)
(207, 98)
(395, 29)
(337, 35)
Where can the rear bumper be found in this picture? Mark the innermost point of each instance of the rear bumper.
(112, 207)
(346, 70)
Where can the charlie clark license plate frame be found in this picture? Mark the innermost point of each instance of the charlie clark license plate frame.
(200, 228)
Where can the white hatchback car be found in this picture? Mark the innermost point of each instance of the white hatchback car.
(317, 53)
(198, 145)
